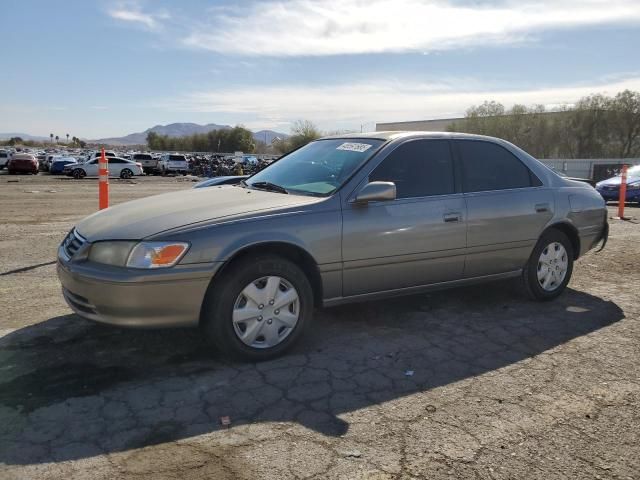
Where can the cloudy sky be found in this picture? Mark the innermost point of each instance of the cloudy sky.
(109, 67)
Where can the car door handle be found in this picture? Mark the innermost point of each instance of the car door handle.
(542, 207)
(452, 217)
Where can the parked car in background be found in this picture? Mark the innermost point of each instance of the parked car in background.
(58, 164)
(118, 167)
(173, 163)
(23, 163)
(4, 159)
(342, 219)
(148, 162)
(610, 188)
(97, 154)
(225, 180)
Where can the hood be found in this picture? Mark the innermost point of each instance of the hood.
(148, 216)
(613, 181)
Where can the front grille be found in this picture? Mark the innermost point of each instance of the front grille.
(72, 243)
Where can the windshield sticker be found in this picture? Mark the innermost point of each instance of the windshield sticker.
(354, 147)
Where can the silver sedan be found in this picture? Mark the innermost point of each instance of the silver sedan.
(343, 219)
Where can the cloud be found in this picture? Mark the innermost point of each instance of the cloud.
(335, 27)
(133, 14)
(349, 106)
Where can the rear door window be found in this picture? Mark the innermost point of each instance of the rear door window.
(488, 166)
(419, 168)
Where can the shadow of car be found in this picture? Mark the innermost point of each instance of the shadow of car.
(72, 389)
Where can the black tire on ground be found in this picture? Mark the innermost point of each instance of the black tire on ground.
(78, 173)
(217, 309)
(126, 173)
(530, 274)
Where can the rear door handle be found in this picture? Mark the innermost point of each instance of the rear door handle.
(542, 207)
(452, 217)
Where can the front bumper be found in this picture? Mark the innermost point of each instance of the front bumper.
(131, 298)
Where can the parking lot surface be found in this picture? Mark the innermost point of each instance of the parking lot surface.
(477, 382)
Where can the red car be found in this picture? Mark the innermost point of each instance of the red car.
(23, 163)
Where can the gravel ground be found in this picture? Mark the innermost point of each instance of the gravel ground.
(476, 383)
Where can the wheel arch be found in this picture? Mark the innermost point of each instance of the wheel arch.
(572, 234)
(289, 251)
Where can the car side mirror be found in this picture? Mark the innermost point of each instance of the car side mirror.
(377, 192)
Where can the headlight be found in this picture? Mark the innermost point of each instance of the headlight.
(156, 254)
(111, 253)
(633, 186)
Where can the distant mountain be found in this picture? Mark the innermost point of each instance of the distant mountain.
(24, 136)
(267, 136)
(181, 130)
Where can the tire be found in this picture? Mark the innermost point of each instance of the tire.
(78, 173)
(546, 265)
(227, 296)
(126, 173)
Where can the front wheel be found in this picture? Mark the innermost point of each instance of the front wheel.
(78, 173)
(549, 268)
(259, 309)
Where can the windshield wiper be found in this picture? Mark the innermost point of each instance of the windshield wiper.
(269, 186)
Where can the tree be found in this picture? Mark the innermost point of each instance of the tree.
(223, 140)
(15, 141)
(625, 124)
(596, 126)
(57, 138)
(67, 138)
(51, 135)
(302, 132)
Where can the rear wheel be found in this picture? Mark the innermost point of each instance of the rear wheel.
(259, 309)
(126, 173)
(549, 268)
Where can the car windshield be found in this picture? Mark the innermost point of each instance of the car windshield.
(318, 168)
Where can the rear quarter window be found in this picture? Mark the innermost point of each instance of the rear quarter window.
(488, 166)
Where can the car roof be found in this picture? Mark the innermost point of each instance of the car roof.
(394, 135)
(23, 156)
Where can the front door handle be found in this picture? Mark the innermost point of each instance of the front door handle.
(452, 217)
(542, 207)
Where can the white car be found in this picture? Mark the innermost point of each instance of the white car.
(118, 167)
(173, 163)
(96, 155)
(4, 159)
